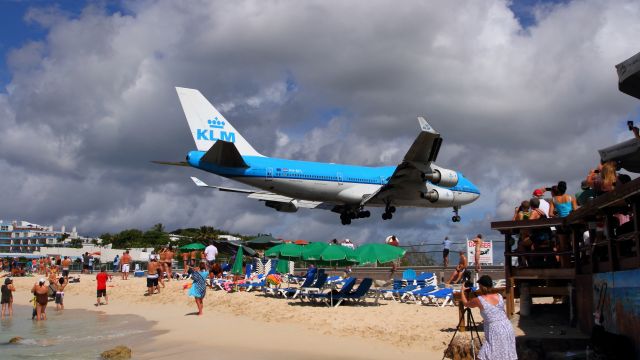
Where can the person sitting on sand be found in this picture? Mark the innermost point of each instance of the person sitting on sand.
(101, 280)
(500, 340)
(460, 269)
(7, 297)
(41, 292)
(199, 286)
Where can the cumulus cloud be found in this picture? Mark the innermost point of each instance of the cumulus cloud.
(92, 103)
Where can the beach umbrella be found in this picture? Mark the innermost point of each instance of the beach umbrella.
(330, 254)
(193, 246)
(237, 264)
(301, 242)
(287, 251)
(283, 266)
(378, 253)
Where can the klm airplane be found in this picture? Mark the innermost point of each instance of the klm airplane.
(287, 185)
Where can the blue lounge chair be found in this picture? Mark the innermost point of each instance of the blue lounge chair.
(440, 297)
(291, 291)
(417, 294)
(315, 288)
(331, 297)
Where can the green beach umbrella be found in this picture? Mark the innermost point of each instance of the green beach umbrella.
(378, 253)
(237, 264)
(330, 254)
(283, 266)
(193, 246)
(287, 251)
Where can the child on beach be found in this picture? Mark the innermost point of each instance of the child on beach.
(199, 287)
(101, 280)
(7, 297)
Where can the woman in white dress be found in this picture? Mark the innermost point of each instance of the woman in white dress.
(500, 340)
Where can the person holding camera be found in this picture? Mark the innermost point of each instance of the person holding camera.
(500, 340)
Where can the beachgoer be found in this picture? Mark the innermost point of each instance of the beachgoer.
(41, 291)
(210, 253)
(523, 211)
(392, 240)
(460, 269)
(199, 286)
(91, 261)
(562, 204)
(185, 260)
(445, 251)
(66, 264)
(168, 260)
(152, 275)
(85, 263)
(477, 241)
(101, 287)
(544, 204)
(584, 194)
(60, 285)
(347, 243)
(125, 265)
(193, 256)
(7, 297)
(116, 263)
(604, 178)
(500, 340)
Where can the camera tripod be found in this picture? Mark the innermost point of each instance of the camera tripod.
(471, 327)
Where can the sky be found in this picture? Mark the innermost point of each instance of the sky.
(524, 93)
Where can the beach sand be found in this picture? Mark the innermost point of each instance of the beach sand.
(250, 325)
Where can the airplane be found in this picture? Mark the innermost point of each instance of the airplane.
(288, 185)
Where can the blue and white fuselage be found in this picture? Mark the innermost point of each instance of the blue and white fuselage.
(287, 185)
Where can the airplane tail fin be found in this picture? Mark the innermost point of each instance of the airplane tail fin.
(208, 125)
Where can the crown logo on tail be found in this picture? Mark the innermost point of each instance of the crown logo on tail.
(215, 123)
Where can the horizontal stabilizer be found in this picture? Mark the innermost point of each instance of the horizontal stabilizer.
(173, 163)
(224, 153)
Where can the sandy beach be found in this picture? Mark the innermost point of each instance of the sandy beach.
(248, 324)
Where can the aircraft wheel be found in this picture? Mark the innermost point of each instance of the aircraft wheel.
(366, 213)
(455, 218)
(390, 216)
(353, 215)
(392, 209)
(385, 216)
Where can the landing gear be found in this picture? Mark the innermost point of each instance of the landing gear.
(349, 214)
(456, 216)
(388, 212)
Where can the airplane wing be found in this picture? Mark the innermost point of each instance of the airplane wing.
(407, 180)
(269, 196)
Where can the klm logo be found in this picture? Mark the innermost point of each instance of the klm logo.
(216, 127)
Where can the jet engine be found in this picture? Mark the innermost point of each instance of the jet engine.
(439, 196)
(442, 177)
(288, 207)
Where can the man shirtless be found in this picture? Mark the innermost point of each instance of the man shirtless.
(194, 254)
(152, 275)
(125, 262)
(185, 260)
(66, 264)
(168, 259)
(476, 255)
(460, 269)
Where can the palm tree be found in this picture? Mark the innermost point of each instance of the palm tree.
(205, 234)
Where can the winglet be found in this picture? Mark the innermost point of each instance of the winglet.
(424, 125)
(199, 182)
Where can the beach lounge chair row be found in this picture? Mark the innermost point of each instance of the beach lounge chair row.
(346, 293)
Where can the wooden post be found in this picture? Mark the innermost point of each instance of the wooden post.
(611, 243)
(462, 325)
(511, 301)
(525, 299)
(575, 240)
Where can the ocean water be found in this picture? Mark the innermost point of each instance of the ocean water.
(70, 334)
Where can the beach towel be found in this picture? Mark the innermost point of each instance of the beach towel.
(274, 279)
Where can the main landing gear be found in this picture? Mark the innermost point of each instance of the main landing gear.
(348, 215)
(388, 212)
(456, 216)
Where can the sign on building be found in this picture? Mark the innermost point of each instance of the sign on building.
(486, 252)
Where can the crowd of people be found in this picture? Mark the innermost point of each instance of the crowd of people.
(560, 204)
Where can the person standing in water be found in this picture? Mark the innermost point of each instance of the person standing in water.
(7, 297)
(60, 285)
(41, 293)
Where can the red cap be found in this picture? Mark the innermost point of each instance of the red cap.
(538, 192)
